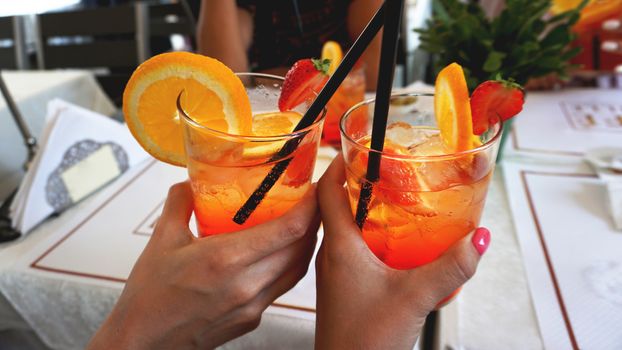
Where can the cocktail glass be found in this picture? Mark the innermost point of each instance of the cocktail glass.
(225, 169)
(425, 199)
(350, 92)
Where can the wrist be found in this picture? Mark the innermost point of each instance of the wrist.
(375, 331)
(120, 331)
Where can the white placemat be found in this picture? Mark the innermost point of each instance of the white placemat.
(571, 253)
(567, 123)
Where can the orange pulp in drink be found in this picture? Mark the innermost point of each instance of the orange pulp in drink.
(410, 223)
(221, 186)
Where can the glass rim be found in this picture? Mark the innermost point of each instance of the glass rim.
(266, 138)
(419, 158)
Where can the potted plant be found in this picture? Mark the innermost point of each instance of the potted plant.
(524, 41)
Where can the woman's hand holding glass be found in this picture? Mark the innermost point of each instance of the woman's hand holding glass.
(363, 303)
(186, 292)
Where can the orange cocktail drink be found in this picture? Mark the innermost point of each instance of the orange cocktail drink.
(426, 198)
(226, 168)
(351, 92)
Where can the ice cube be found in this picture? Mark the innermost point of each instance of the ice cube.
(400, 133)
(432, 144)
(417, 141)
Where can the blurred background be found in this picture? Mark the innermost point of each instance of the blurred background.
(113, 37)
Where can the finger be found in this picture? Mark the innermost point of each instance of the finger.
(265, 271)
(451, 270)
(250, 245)
(335, 172)
(334, 205)
(612, 46)
(245, 317)
(284, 283)
(178, 207)
(612, 25)
(292, 261)
(177, 211)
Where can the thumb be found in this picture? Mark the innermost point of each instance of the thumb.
(172, 226)
(452, 269)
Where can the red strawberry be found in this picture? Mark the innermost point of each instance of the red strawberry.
(302, 82)
(494, 99)
(300, 169)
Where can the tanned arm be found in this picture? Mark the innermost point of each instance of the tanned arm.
(225, 32)
(359, 14)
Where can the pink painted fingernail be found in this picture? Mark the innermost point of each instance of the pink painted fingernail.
(481, 240)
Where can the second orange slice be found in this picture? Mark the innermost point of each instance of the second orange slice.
(452, 109)
(332, 51)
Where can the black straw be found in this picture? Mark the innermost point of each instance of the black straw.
(316, 108)
(388, 54)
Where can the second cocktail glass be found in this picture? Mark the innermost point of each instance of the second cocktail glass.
(350, 92)
(225, 169)
(425, 199)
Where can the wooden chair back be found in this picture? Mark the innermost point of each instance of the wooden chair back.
(12, 43)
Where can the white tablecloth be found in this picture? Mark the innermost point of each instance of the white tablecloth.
(494, 309)
(32, 90)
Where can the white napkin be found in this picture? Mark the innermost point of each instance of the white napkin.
(607, 162)
(79, 152)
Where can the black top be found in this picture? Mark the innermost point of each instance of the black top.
(288, 30)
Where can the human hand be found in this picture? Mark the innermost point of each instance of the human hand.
(361, 302)
(185, 292)
(615, 45)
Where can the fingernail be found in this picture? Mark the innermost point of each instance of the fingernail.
(610, 46)
(611, 24)
(481, 239)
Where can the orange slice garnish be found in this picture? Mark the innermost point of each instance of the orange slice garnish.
(332, 51)
(213, 96)
(452, 109)
(275, 123)
(270, 124)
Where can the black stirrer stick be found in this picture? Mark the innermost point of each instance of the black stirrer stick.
(388, 53)
(355, 52)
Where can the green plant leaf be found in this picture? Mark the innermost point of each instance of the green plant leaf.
(566, 56)
(559, 34)
(520, 43)
(439, 11)
(494, 61)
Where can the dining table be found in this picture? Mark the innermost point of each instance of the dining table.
(44, 306)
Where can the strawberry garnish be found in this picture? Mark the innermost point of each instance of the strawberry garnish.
(300, 169)
(493, 100)
(302, 82)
